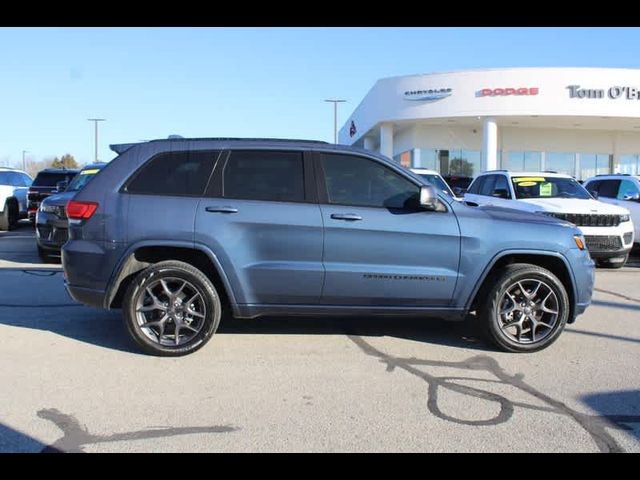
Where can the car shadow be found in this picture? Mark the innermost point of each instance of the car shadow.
(621, 408)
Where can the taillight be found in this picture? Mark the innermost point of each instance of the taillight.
(81, 210)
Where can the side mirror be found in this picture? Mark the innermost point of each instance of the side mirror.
(634, 197)
(500, 193)
(62, 186)
(594, 194)
(428, 197)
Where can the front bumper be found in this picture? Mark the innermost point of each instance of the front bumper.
(609, 242)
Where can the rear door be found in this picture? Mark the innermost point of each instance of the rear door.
(380, 248)
(262, 220)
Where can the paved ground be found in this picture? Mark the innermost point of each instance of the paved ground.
(71, 381)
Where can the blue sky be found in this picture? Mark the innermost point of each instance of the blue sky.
(247, 82)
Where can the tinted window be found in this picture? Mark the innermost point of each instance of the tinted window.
(264, 175)
(627, 188)
(476, 185)
(363, 182)
(82, 179)
(5, 178)
(501, 186)
(50, 179)
(609, 188)
(174, 173)
(487, 186)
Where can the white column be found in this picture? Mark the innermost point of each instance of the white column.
(490, 143)
(368, 143)
(416, 161)
(386, 139)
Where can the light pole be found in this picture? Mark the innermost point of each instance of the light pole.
(335, 117)
(95, 123)
(24, 163)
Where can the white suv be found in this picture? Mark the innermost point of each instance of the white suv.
(14, 185)
(608, 229)
(435, 179)
(618, 189)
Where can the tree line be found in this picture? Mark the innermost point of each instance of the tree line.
(32, 167)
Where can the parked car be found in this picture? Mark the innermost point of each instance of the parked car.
(608, 229)
(620, 189)
(436, 180)
(178, 232)
(459, 184)
(47, 182)
(13, 196)
(51, 217)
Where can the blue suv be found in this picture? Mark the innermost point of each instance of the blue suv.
(179, 232)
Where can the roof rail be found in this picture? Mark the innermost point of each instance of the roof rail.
(613, 175)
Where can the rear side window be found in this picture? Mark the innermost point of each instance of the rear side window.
(264, 175)
(476, 186)
(487, 186)
(174, 173)
(5, 178)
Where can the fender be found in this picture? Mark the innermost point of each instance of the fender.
(128, 264)
(503, 253)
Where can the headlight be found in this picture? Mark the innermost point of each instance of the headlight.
(624, 218)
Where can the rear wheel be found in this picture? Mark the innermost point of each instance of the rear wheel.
(9, 216)
(526, 309)
(171, 309)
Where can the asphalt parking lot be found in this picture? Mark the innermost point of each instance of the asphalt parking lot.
(72, 381)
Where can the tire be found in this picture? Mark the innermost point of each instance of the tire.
(612, 265)
(503, 297)
(44, 256)
(162, 314)
(6, 217)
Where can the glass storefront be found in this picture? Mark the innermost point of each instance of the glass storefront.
(592, 164)
(561, 162)
(524, 162)
(628, 164)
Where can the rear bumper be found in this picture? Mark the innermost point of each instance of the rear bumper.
(86, 296)
(52, 232)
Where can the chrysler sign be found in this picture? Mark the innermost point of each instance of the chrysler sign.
(428, 94)
(626, 92)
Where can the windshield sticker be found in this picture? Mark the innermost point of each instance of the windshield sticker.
(527, 184)
(528, 179)
(89, 172)
(546, 189)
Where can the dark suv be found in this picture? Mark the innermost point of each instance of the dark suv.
(178, 232)
(47, 182)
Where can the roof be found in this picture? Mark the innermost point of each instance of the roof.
(528, 174)
(60, 170)
(121, 148)
(424, 171)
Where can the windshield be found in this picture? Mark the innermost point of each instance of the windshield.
(81, 179)
(437, 182)
(548, 187)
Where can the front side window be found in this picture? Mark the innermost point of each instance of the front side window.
(548, 187)
(264, 175)
(501, 188)
(363, 182)
(487, 186)
(627, 189)
(608, 188)
(174, 173)
(476, 185)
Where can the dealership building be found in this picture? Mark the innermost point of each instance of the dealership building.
(580, 121)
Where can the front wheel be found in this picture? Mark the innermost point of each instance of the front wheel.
(526, 309)
(171, 309)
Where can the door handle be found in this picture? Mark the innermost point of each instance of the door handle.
(221, 210)
(346, 216)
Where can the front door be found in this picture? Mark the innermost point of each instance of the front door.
(380, 248)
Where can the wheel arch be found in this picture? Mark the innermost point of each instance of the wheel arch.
(145, 254)
(555, 262)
